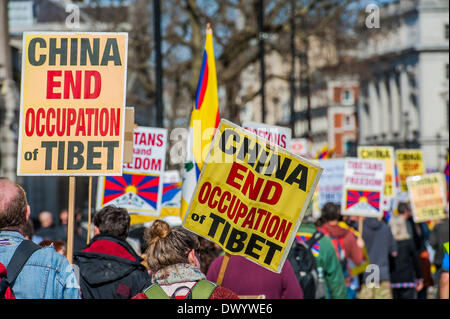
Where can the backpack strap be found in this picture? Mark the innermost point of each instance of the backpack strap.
(203, 289)
(18, 260)
(155, 292)
(314, 239)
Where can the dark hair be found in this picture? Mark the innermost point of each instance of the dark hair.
(28, 229)
(13, 212)
(207, 252)
(57, 244)
(403, 207)
(330, 212)
(111, 220)
(168, 246)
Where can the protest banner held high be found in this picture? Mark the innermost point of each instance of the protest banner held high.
(72, 103)
(428, 196)
(363, 188)
(409, 163)
(331, 181)
(251, 196)
(278, 135)
(385, 153)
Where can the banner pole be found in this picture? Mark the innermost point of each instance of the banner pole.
(89, 211)
(223, 268)
(71, 218)
(360, 226)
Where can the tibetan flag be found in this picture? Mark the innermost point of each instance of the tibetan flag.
(171, 195)
(325, 153)
(140, 191)
(366, 197)
(304, 237)
(204, 121)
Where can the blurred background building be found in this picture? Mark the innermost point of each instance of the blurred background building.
(404, 79)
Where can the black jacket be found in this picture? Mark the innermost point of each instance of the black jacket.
(110, 269)
(405, 267)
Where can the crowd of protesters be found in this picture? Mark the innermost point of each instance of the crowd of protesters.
(162, 262)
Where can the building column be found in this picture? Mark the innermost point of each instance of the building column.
(386, 116)
(374, 110)
(395, 106)
(405, 106)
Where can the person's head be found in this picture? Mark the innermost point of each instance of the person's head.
(398, 228)
(330, 212)
(170, 246)
(63, 217)
(111, 220)
(404, 210)
(58, 245)
(46, 219)
(14, 209)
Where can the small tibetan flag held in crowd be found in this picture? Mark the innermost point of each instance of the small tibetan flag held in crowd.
(325, 153)
(204, 121)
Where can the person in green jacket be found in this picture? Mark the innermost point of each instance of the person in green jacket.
(326, 259)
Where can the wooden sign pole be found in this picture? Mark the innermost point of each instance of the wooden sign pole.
(360, 226)
(223, 268)
(71, 218)
(88, 239)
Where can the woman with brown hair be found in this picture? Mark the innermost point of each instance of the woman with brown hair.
(175, 266)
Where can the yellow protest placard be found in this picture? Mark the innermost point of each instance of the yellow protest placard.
(385, 153)
(72, 103)
(409, 163)
(428, 196)
(251, 196)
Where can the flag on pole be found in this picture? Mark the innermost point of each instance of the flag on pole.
(204, 121)
(325, 153)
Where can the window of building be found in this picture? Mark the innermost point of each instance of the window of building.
(348, 122)
(446, 31)
(347, 97)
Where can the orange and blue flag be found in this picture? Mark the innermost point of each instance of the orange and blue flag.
(204, 121)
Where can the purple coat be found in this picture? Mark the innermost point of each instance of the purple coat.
(247, 278)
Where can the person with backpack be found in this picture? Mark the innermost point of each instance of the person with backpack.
(28, 271)
(109, 266)
(346, 246)
(175, 266)
(314, 260)
(406, 275)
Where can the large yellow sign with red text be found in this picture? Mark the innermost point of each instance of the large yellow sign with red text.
(409, 163)
(72, 103)
(251, 196)
(385, 153)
